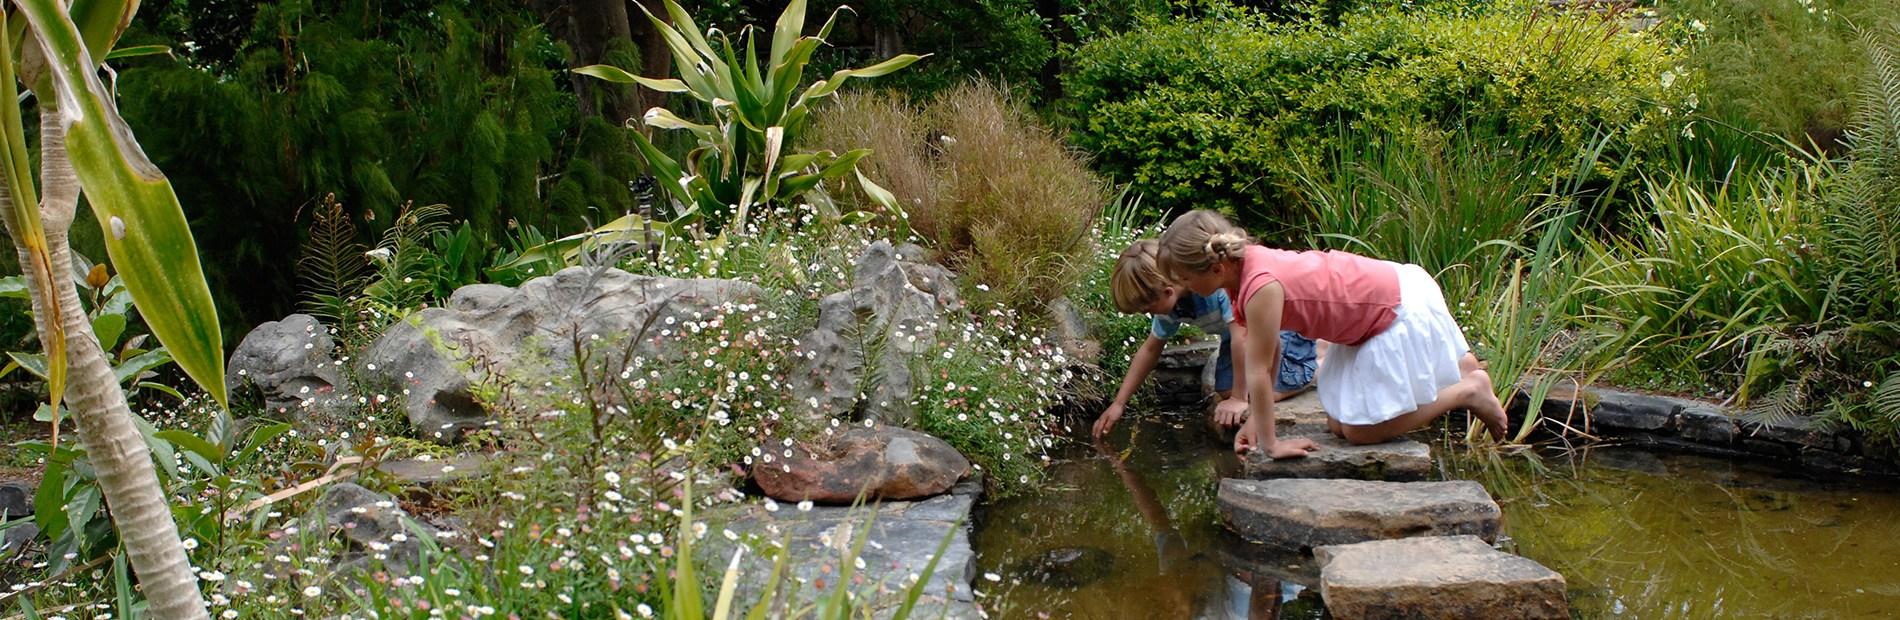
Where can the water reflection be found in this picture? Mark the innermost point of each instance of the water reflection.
(1105, 542)
(1131, 531)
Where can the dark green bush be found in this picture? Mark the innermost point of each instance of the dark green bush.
(459, 103)
(1217, 113)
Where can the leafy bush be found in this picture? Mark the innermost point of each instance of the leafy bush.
(1001, 201)
(1216, 113)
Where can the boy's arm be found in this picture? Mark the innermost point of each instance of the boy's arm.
(1264, 344)
(1138, 368)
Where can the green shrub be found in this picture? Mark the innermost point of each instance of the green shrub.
(1000, 200)
(1214, 114)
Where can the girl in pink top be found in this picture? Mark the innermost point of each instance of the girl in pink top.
(1400, 360)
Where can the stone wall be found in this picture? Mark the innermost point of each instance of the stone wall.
(1703, 427)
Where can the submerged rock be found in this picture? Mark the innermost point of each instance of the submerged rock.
(1303, 513)
(1436, 577)
(882, 463)
(1066, 567)
(1398, 460)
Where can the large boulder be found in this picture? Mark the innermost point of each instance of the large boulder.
(882, 463)
(1303, 513)
(1452, 577)
(1071, 332)
(896, 299)
(437, 356)
(287, 363)
(16, 499)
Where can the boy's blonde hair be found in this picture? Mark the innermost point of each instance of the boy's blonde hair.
(1198, 240)
(1138, 280)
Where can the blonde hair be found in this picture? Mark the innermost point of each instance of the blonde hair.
(1138, 281)
(1198, 240)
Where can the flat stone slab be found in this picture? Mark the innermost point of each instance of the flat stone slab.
(429, 472)
(1399, 460)
(1301, 410)
(900, 543)
(1436, 577)
(1308, 513)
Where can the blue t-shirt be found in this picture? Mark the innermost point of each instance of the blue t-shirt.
(1210, 314)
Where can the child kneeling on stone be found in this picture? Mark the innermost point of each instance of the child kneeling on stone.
(1138, 286)
(1400, 362)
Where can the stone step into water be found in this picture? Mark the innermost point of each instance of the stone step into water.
(1449, 577)
(899, 543)
(1399, 460)
(1310, 513)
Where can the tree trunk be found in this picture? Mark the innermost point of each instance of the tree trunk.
(656, 58)
(592, 29)
(113, 443)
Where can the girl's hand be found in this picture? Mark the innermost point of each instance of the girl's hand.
(1293, 448)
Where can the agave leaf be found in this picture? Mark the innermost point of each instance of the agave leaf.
(825, 87)
(791, 25)
(138, 51)
(621, 76)
(23, 219)
(683, 58)
(100, 22)
(145, 230)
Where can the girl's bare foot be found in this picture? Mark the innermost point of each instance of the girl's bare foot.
(1486, 406)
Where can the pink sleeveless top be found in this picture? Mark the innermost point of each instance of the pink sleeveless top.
(1332, 296)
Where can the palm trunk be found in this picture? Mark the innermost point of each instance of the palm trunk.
(113, 442)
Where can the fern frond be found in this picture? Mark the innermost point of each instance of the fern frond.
(333, 268)
(1783, 404)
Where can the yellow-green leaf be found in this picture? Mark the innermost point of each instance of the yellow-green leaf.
(145, 231)
(621, 76)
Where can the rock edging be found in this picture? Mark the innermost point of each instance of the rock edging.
(1704, 427)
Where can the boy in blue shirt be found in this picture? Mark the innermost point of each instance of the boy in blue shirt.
(1138, 286)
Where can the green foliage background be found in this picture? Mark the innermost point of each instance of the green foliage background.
(460, 103)
(1218, 113)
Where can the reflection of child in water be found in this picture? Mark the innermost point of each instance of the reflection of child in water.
(1191, 573)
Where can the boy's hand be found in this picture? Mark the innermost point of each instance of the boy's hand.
(1230, 412)
(1107, 420)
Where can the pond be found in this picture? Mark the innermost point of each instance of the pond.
(1133, 532)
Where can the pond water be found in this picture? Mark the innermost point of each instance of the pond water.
(1132, 532)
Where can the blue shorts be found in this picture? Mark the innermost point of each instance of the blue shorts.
(1297, 363)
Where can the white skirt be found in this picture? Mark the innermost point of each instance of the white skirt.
(1401, 368)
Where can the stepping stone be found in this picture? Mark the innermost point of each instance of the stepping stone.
(1301, 410)
(1436, 577)
(1307, 513)
(1399, 460)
